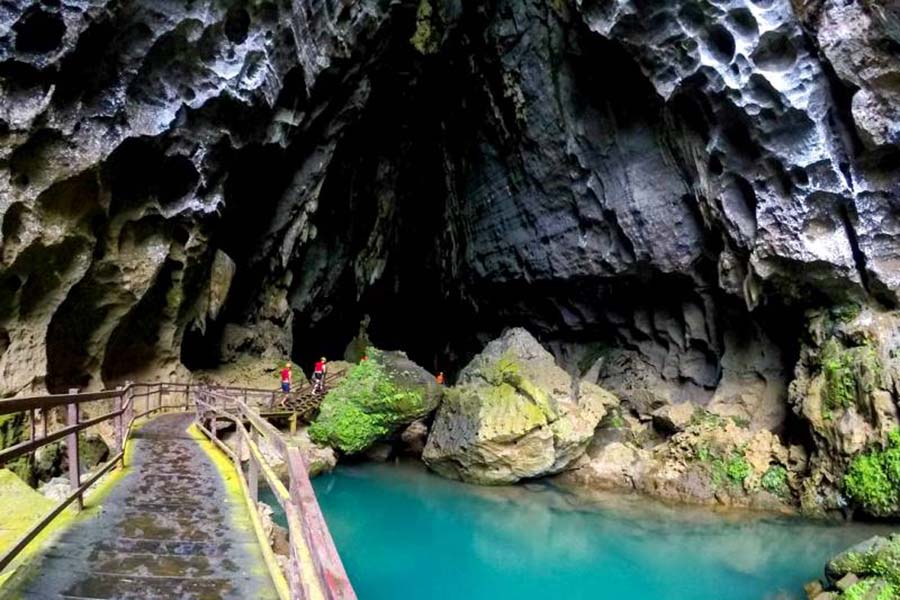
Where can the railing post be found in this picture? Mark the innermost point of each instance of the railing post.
(294, 423)
(253, 475)
(187, 397)
(72, 447)
(160, 402)
(120, 427)
(213, 427)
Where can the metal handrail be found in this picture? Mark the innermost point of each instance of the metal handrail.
(311, 542)
(310, 539)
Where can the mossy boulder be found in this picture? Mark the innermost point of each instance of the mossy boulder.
(514, 414)
(376, 398)
(870, 569)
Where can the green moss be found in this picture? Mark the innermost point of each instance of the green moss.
(845, 313)
(873, 479)
(775, 481)
(849, 374)
(426, 38)
(365, 407)
(507, 371)
(13, 429)
(871, 589)
(878, 569)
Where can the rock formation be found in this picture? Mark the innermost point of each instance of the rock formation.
(376, 399)
(870, 569)
(513, 415)
(659, 190)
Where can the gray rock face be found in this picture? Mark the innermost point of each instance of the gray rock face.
(666, 184)
(514, 414)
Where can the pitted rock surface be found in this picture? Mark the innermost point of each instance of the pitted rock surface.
(168, 529)
(656, 189)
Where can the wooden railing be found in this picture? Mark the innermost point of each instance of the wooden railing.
(315, 569)
(131, 402)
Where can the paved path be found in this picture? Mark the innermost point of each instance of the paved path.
(169, 529)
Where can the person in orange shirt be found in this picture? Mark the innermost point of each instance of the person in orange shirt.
(440, 378)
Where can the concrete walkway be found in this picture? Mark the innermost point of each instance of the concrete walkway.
(171, 528)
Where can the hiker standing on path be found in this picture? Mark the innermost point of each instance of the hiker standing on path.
(286, 378)
(319, 375)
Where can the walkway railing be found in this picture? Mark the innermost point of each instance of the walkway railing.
(315, 569)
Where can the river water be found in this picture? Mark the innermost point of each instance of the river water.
(405, 533)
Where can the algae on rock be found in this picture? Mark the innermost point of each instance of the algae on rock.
(515, 414)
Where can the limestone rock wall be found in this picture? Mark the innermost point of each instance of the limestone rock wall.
(659, 191)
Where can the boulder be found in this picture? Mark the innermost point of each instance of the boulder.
(374, 401)
(414, 437)
(673, 418)
(513, 415)
(870, 569)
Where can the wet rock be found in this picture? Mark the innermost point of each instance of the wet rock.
(711, 460)
(414, 437)
(870, 569)
(674, 417)
(514, 414)
(379, 452)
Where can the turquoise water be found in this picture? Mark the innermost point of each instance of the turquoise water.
(405, 533)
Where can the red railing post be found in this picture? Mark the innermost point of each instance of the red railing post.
(72, 411)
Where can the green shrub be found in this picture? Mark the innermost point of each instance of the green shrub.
(873, 479)
(365, 407)
(737, 468)
(775, 481)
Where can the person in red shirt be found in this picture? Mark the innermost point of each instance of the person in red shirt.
(440, 378)
(286, 378)
(319, 375)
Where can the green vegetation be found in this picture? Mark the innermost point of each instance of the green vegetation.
(775, 481)
(13, 431)
(849, 372)
(873, 479)
(732, 468)
(845, 313)
(612, 419)
(366, 406)
(704, 418)
(863, 590)
(878, 568)
(426, 39)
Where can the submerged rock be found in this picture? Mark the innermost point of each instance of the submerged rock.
(513, 415)
(376, 398)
